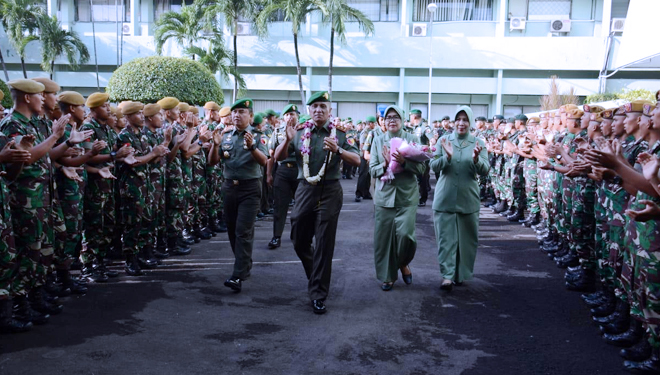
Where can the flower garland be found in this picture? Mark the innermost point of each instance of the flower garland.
(306, 150)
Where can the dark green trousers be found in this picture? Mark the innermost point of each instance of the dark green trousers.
(240, 211)
(284, 188)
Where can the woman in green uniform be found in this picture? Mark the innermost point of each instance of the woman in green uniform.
(396, 204)
(458, 160)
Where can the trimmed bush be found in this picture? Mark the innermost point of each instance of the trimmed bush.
(150, 79)
(6, 102)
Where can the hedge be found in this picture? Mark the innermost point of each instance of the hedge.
(6, 102)
(149, 79)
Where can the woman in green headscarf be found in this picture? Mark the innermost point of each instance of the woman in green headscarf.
(459, 158)
(395, 204)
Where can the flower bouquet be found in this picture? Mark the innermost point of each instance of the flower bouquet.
(411, 151)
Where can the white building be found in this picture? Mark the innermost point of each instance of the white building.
(495, 55)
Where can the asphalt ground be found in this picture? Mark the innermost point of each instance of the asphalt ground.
(514, 317)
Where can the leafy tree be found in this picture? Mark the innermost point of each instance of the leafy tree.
(193, 23)
(56, 42)
(149, 79)
(6, 102)
(295, 11)
(217, 59)
(20, 19)
(339, 13)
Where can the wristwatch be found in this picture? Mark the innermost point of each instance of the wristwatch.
(68, 143)
(254, 147)
(113, 155)
(340, 151)
(199, 142)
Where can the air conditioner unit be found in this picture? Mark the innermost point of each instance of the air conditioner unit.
(127, 29)
(418, 29)
(244, 28)
(517, 23)
(560, 26)
(618, 24)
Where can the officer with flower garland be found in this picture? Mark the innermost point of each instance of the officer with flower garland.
(319, 147)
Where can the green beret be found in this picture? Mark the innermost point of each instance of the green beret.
(349, 119)
(522, 117)
(243, 103)
(415, 112)
(321, 96)
(480, 118)
(446, 118)
(511, 120)
(498, 117)
(303, 119)
(269, 112)
(258, 119)
(370, 119)
(490, 121)
(290, 108)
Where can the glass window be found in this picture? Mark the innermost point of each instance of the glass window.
(162, 6)
(378, 10)
(548, 9)
(104, 10)
(454, 10)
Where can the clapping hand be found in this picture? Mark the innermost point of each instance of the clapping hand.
(181, 137)
(650, 165)
(386, 155)
(475, 154)
(72, 173)
(650, 212)
(59, 126)
(79, 136)
(449, 149)
(26, 143)
(98, 146)
(167, 134)
(249, 140)
(10, 154)
(105, 173)
(161, 150)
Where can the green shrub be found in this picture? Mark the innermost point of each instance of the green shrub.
(625, 94)
(6, 102)
(150, 79)
(597, 98)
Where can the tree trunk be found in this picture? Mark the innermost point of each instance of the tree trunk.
(23, 67)
(4, 67)
(52, 69)
(96, 58)
(332, 53)
(235, 57)
(295, 47)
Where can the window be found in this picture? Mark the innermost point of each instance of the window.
(548, 9)
(378, 10)
(454, 10)
(162, 6)
(104, 10)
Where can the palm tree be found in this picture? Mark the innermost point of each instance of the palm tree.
(295, 11)
(187, 27)
(218, 59)
(232, 10)
(56, 42)
(2, 58)
(21, 20)
(340, 12)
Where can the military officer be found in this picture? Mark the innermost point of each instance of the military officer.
(319, 149)
(364, 178)
(424, 134)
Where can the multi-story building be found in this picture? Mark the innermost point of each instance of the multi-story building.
(495, 55)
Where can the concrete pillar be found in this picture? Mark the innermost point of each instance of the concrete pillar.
(501, 19)
(403, 18)
(498, 96)
(66, 14)
(307, 85)
(51, 8)
(147, 17)
(402, 83)
(607, 18)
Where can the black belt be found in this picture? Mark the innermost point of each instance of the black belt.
(241, 182)
(288, 165)
(327, 182)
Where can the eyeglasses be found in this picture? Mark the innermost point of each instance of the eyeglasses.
(392, 118)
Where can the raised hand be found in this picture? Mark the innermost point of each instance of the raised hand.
(650, 165)
(249, 140)
(161, 150)
(204, 134)
(447, 146)
(72, 174)
(10, 154)
(217, 136)
(105, 173)
(181, 137)
(650, 212)
(98, 146)
(475, 154)
(77, 137)
(386, 155)
(291, 128)
(167, 134)
(26, 143)
(59, 126)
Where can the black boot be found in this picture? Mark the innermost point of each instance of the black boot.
(7, 322)
(639, 352)
(585, 281)
(37, 303)
(500, 207)
(199, 233)
(161, 247)
(132, 267)
(570, 260)
(24, 313)
(102, 267)
(628, 338)
(649, 366)
(64, 276)
(186, 239)
(147, 259)
(174, 247)
(92, 274)
(214, 224)
(517, 216)
(622, 311)
(510, 211)
(188, 234)
(54, 288)
(605, 309)
(222, 225)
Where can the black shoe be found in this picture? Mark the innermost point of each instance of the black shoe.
(386, 287)
(368, 197)
(24, 313)
(605, 309)
(629, 338)
(516, 217)
(447, 286)
(176, 247)
(637, 353)
(275, 242)
(621, 312)
(92, 274)
(318, 306)
(501, 207)
(37, 303)
(358, 198)
(181, 242)
(270, 211)
(199, 233)
(132, 266)
(570, 260)
(649, 366)
(147, 259)
(186, 238)
(234, 283)
(7, 322)
(209, 231)
(421, 204)
(616, 327)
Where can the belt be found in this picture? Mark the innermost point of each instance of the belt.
(288, 165)
(241, 182)
(326, 182)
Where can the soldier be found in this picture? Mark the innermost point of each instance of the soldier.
(348, 171)
(213, 172)
(530, 176)
(133, 177)
(424, 133)
(319, 149)
(364, 178)
(258, 129)
(243, 155)
(285, 181)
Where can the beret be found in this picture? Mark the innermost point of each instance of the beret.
(533, 119)
(490, 120)
(321, 96)
(97, 99)
(131, 108)
(635, 106)
(511, 120)
(194, 110)
(574, 113)
(567, 107)
(225, 111)
(211, 106)
(183, 107)
(27, 86)
(496, 117)
(269, 112)
(258, 119)
(2, 95)
(151, 109)
(593, 108)
(122, 104)
(242, 103)
(71, 97)
(288, 108)
(608, 114)
(648, 108)
(370, 119)
(521, 117)
(303, 119)
(168, 103)
(116, 111)
(621, 111)
(596, 116)
(49, 84)
(415, 112)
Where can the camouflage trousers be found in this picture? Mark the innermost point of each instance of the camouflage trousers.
(30, 227)
(583, 221)
(99, 215)
(73, 220)
(55, 238)
(616, 236)
(531, 186)
(133, 217)
(566, 207)
(154, 222)
(557, 201)
(515, 194)
(648, 294)
(198, 208)
(8, 259)
(212, 192)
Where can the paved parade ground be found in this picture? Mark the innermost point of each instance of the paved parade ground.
(515, 317)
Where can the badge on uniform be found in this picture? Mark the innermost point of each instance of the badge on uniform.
(263, 140)
(350, 141)
(226, 154)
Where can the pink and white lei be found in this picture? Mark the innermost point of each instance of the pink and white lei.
(305, 150)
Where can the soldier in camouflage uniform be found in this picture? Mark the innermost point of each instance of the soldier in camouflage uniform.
(530, 175)
(364, 178)
(213, 172)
